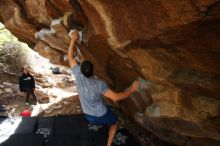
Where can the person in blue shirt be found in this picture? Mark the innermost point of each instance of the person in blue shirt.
(91, 89)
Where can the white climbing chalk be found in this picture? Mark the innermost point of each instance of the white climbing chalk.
(56, 21)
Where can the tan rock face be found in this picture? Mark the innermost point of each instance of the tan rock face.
(173, 45)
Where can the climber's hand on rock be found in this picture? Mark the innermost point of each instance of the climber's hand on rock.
(75, 35)
(135, 86)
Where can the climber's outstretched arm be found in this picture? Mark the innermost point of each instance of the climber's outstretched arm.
(72, 49)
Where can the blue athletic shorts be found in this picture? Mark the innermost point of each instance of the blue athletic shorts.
(108, 119)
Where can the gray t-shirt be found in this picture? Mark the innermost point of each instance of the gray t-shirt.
(90, 93)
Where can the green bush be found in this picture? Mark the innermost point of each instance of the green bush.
(12, 52)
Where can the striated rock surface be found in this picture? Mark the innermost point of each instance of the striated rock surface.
(172, 45)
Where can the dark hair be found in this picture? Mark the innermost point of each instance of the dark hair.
(87, 68)
(22, 70)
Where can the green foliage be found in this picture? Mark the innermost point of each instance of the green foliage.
(12, 52)
(6, 36)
